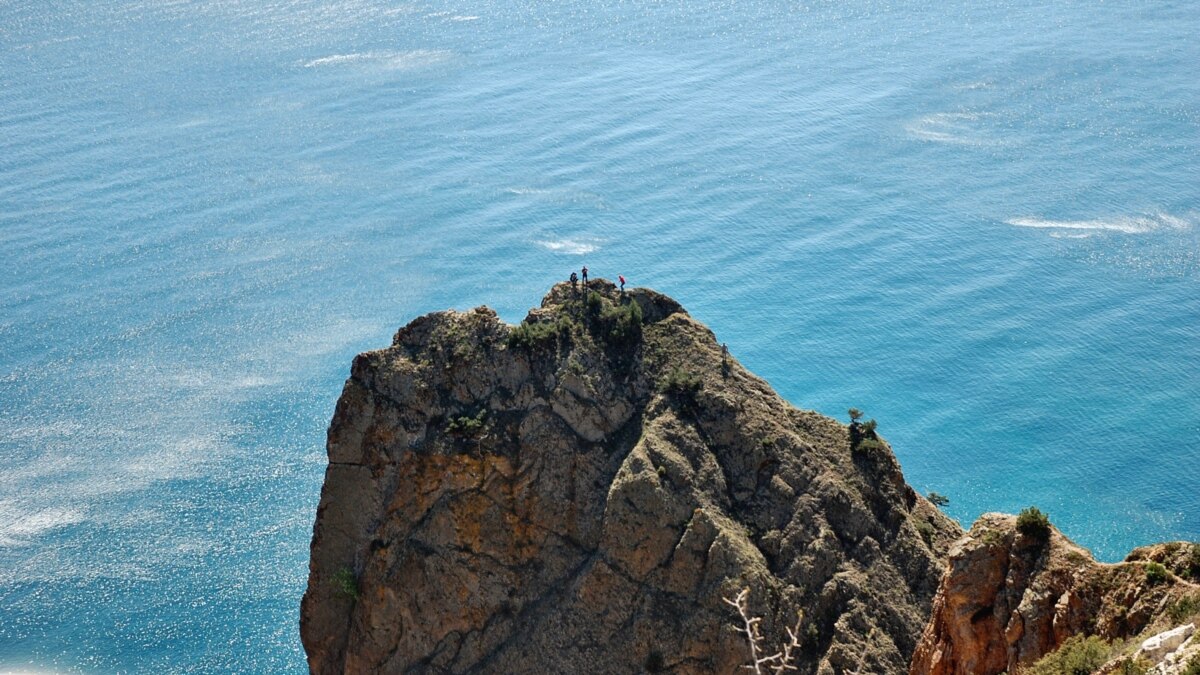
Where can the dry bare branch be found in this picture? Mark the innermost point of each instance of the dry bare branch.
(777, 663)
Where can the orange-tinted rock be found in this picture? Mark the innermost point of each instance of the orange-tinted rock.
(1008, 599)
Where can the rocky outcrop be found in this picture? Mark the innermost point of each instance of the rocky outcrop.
(1156, 648)
(1008, 598)
(579, 493)
(1173, 652)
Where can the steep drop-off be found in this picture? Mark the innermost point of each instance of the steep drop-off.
(579, 493)
(1010, 597)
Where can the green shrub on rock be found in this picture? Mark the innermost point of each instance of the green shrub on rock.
(1132, 666)
(1156, 574)
(346, 583)
(1185, 608)
(869, 445)
(594, 303)
(465, 425)
(622, 322)
(1033, 523)
(681, 385)
(1079, 655)
(926, 530)
(532, 335)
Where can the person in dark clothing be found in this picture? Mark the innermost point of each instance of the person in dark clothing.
(574, 280)
(585, 275)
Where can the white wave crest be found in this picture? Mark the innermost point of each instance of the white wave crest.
(569, 246)
(388, 60)
(1126, 224)
(958, 128)
(528, 191)
(17, 528)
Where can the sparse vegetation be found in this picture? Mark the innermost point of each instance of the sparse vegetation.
(681, 384)
(937, 499)
(1186, 607)
(1132, 666)
(862, 434)
(1034, 524)
(926, 530)
(345, 582)
(1194, 562)
(1193, 666)
(993, 538)
(1156, 574)
(466, 425)
(1079, 655)
(594, 303)
(1076, 558)
(529, 335)
(622, 323)
(869, 445)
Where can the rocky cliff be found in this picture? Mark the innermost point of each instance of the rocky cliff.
(578, 494)
(1009, 597)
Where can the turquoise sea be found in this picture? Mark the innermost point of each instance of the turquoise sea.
(979, 222)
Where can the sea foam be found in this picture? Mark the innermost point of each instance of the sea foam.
(1139, 224)
(388, 60)
(955, 128)
(569, 246)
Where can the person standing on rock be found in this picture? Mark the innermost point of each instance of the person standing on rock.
(621, 279)
(585, 277)
(574, 280)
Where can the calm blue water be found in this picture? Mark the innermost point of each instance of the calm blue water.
(981, 224)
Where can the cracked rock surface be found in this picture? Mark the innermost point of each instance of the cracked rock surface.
(578, 495)
(1008, 598)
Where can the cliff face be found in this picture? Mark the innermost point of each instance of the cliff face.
(578, 495)
(1007, 598)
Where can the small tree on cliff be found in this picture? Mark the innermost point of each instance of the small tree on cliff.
(862, 434)
(1034, 524)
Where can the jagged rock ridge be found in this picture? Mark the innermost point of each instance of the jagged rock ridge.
(1008, 598)
(578, 494)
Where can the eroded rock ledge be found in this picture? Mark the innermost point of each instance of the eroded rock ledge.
(1009, 598)
(578, 494)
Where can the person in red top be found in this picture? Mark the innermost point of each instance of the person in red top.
(622, 280)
